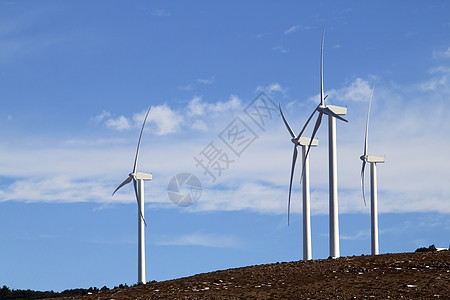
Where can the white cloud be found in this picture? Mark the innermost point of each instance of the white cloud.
(198, 108)
(271, 88)
(54, 189)
(410, 135)
(292, 29)
(200, 125)
(442, 54)
(165, 119)
(99, 118)
(121, 123)
(433, 84)
(447, 53)
(232, 103)
(358, 91)
(441, 74)
(204, 240)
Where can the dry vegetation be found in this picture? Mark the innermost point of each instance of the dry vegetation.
(405, 275)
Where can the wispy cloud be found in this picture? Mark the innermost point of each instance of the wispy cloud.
(188, 87)
(245, 186)
(203, 240)
(197, 107)
(207, 80)
(292, 29)
(162, 117)
(358, 91)
(281, 49)
(159, 12)
(99, 118)
(442, 54)
(271, 88)
(200, 81)
(119, 123)
(360, 235)
(54, 189)
(440, 79)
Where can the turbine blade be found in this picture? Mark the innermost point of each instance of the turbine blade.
(329, 112)
(137, 200)
(139, 142)
(366, 146)
(322, 98)
(316, 128)
(362, 180)
(286, 123)
(294, 160)
(126, 181)
(307, 122)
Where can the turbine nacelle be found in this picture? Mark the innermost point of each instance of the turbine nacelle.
(333, 110)
(138, 186)
(135, 176)
(373, 158)
(141, 176)
(297, 140)
(305, 141)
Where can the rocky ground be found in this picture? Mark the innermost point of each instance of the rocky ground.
(404, 275)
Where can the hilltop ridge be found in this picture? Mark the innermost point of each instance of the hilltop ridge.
(395, 276)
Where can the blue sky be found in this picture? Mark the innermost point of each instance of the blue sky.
(76, 78)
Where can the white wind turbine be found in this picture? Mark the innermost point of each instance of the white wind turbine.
(373, 160)
(305, 143)
(333, 113)
(138, 179)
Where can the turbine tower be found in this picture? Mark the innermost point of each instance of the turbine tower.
(138, 179)
(305, 143)
(333, 112)
(373, 160)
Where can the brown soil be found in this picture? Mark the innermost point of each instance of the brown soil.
(395, 276)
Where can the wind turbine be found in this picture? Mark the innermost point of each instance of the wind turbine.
(373, 160)
(305, 143)
(333, 112)
(138, 179)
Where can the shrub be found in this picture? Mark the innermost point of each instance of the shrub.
(424, 249)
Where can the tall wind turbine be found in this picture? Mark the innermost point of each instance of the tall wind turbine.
(373, 160)
(333, 113)
(305, 143)
(138, 179)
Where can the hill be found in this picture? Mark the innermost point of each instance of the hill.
(402, 275)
